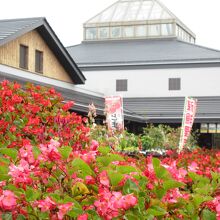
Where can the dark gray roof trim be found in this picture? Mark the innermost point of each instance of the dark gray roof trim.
(141, 52)
(12, 29)
(171, 108)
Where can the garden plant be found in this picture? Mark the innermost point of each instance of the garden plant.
(51, 167)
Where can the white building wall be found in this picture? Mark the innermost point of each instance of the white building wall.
(154, 82)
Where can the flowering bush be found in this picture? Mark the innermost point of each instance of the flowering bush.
(51, 168)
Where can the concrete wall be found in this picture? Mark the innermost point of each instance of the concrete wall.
(154, 82)
(9, 55)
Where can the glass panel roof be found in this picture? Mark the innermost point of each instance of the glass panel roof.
(133, 10)
(135, 19)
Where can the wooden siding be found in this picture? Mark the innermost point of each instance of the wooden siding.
(9, 55)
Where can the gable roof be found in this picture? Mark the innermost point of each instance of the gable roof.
(14, 28)
(141, 52)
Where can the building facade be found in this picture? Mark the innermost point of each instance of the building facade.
(142, 51)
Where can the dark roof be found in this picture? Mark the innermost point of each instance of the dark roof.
(141, 52)
(170, 109)
(12, 29)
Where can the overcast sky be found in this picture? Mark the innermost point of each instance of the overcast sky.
(67, 16)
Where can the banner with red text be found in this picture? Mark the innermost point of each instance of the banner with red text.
(114, 112)
(188, 119)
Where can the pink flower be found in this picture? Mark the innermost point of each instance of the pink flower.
(63, 209)
(21, 173)
(7, 201)
(103, 178)
(173, 195)
(128, 201)
(45, 205)
(193, 167)
(50, 151)
(94, 145)
(83, 217)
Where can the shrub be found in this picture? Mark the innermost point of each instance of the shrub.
(165, 137)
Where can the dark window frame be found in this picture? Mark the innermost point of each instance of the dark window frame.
(23, 56)
(174, 84)
(121, 85)
(39, 56)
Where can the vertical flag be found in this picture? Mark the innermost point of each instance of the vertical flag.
(188, 119)
(114, 112)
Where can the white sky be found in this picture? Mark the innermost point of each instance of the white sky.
(66, 17)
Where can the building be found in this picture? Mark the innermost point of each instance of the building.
(30, 51)
(142, 51)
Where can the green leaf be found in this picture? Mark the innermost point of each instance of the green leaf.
(160, 192)
(13, 188)
(6, 216)
(171, 184)
(76, 210)
(199, 199)
(4, 161)
(126, 169)
(80, 165)
(36, 151)
(4, 173)
(159, 170)
(21, 217)
(130, 187)
(65, 152)
(156, 211)
(11, 152)
(197, 178)
(94, 215)
(115, 177)
(106, 160)
(141, 203)
(32, 195)
(104, 150)
(206, 214)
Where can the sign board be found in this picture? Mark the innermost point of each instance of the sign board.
(114, 112)
(188, 119)
(212, 128)
(204, 128)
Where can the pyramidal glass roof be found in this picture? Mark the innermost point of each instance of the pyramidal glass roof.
(133, 10)
(124, 18)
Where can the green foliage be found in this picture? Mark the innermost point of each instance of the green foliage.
(165, 137)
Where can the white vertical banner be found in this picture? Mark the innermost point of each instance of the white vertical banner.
(114, 112)
(188, 120)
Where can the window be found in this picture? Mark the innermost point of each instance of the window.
(154, 30)
(129, 31)
(38, 61)
(141, 30)
(121, 85)
(104, 32)
(166, 29)
(116, 32)
(23, 62)
(174, 84)
(91, 33)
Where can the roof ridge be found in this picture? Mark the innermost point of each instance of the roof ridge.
(22, 19)
(200, 46)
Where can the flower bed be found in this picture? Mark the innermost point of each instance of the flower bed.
(52, 169)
